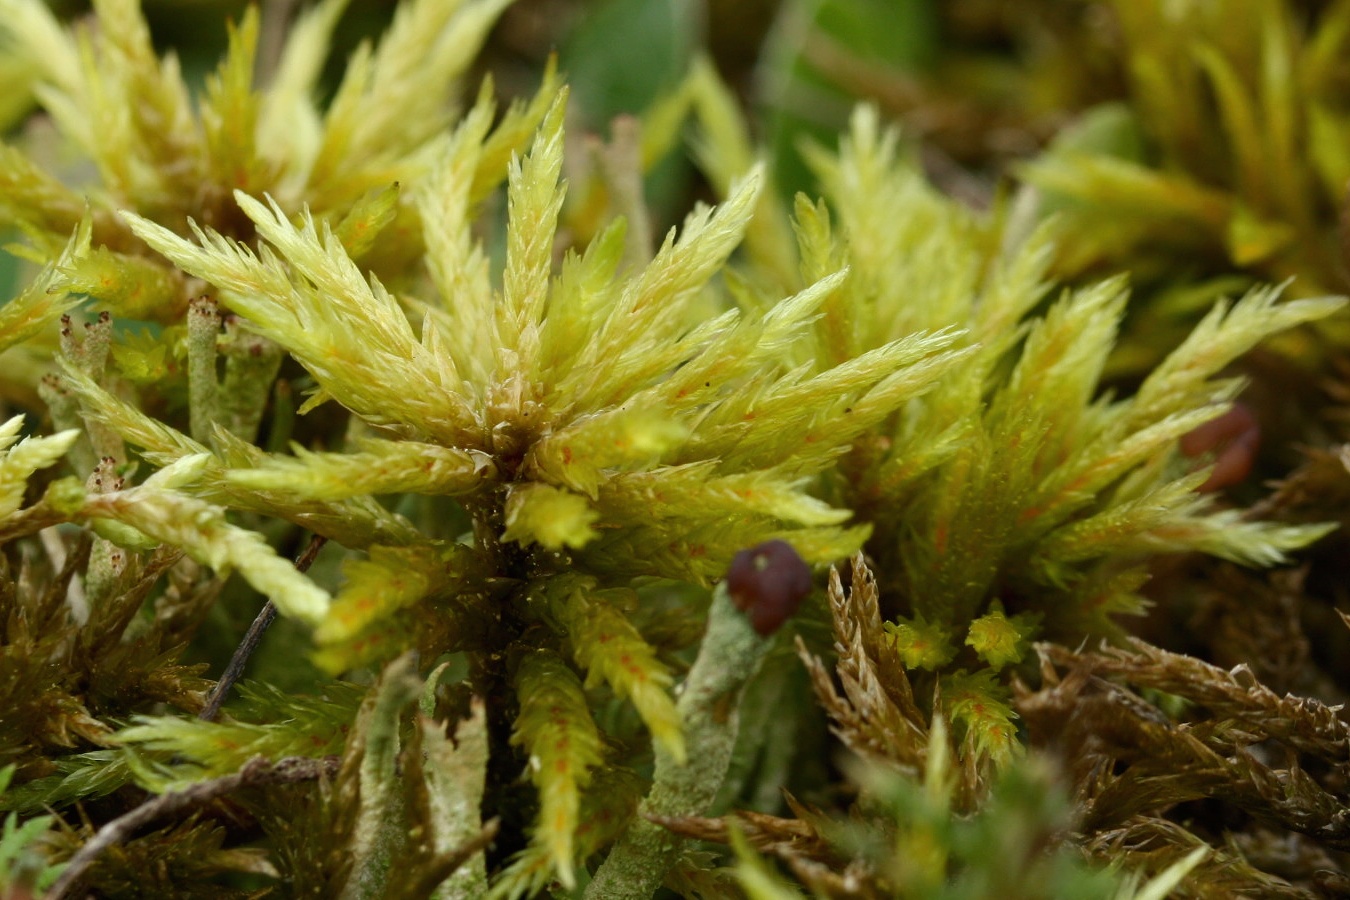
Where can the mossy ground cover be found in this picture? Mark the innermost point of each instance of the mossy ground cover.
(820, 466)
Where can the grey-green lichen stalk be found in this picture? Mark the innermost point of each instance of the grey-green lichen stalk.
(736, 641)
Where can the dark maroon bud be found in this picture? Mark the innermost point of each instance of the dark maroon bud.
(768, 583)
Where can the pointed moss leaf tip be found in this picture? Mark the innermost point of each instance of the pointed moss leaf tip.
(309, 297)
(534, 199)
(367, 218)
(920, 643)
(42, 302)
(392, 578)
(754, 876)
(179, 473)
(158, 511)
(588, 451)
(556, 729)
(19, 461)
(268, 722)
(998, 639)
(25, 849)
(979, 703)
(133, 287)
(379, 467)
(611, 650)
(642, 437)
(10, 431)
(550, 516)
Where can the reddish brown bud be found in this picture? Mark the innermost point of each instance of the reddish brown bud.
(768, 583)
(1234, 437)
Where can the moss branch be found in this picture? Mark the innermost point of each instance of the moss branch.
(256, 772)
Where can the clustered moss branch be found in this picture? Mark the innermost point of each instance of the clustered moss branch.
(554, 457)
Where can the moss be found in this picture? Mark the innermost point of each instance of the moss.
(534, 439)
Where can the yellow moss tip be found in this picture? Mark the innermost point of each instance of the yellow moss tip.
(552, 517)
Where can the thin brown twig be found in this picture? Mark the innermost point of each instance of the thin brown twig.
(253, 637)
(257, 771)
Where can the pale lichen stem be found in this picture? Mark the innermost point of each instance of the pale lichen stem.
(203, 327)
(708, 706)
